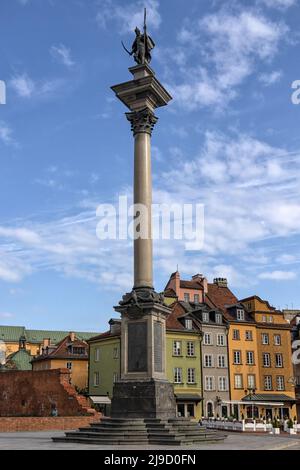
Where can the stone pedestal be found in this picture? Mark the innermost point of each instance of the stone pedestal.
(143, 390)
(149, 399)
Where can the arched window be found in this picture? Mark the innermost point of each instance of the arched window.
(210, 409)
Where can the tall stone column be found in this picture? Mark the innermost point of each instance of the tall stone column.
(142, 123)
(143, 390)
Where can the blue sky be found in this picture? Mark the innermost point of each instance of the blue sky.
(230, 139)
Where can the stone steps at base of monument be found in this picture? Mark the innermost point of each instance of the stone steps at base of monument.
(133, 435)
(174, 432)
(115, 437)
(163, 441)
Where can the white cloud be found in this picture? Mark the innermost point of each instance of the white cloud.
(279, 4)
(22, 234)
(229, 44)
(23, 85)
(278, 276)
(62, 54)
(268, 79)
(130, 15)
(286, 259)
(5, 134)
(27, 88)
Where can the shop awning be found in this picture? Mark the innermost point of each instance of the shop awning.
(101, 400)
(188, 397)
(270, 398)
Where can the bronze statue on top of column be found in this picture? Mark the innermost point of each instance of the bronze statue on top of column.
(142, 45)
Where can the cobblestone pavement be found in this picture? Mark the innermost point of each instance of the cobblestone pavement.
(234, 441)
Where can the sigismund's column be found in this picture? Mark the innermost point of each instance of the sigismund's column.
(143, 390)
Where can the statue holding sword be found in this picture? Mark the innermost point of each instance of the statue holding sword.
(142, 45)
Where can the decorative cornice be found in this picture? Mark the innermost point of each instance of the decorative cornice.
(142, 121)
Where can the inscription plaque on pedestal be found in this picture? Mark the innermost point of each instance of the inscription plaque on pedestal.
(158, 345)
(137, 347)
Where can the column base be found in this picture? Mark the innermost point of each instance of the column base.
(149, 399)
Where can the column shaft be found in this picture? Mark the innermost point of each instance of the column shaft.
(143, 270)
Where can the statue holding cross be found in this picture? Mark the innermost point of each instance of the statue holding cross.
(142, 45)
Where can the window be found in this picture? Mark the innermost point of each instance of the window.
(222, 361)
(188, 324)
(205, 317)
(177, 375)
(196, 298)
(207, 339)
(280, 382)
(265, 338)
(277, 340)
(222, 384)
(221, 340)
(77, 350)
(237, 357)
(264, 318)
(97, 355)
(251, 381)
(248, 335)
(190, 348)
(69, 365)
(238, 381)
(266, 360)
(270, 319)
(240, 314)
(96, 379)
(191, 376)
(176, 348)
(209, 383)
(208, 360)
(218, 318)
(236, 334)
(278, 360)
(116, 353)
(250, 358)
(115, 377)
(268, 382)
(186, 297)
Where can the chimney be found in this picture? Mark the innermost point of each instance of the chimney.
(46, 343)
(72, 336)
(115, 326)
(177, 283)
(202, 280)
(221, 282)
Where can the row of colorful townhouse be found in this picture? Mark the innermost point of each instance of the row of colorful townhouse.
(226, 357)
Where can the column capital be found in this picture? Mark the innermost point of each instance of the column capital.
(142, 121)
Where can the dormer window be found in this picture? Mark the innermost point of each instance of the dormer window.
(188, 324)
(186, 297)
(218, 318)
(197, 298)
(205, 317)
(240, 314)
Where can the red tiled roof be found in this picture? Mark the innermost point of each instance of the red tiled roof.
(170, 293)
(220, 297)
(172, 321)
(191, 285)
(61, 351)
